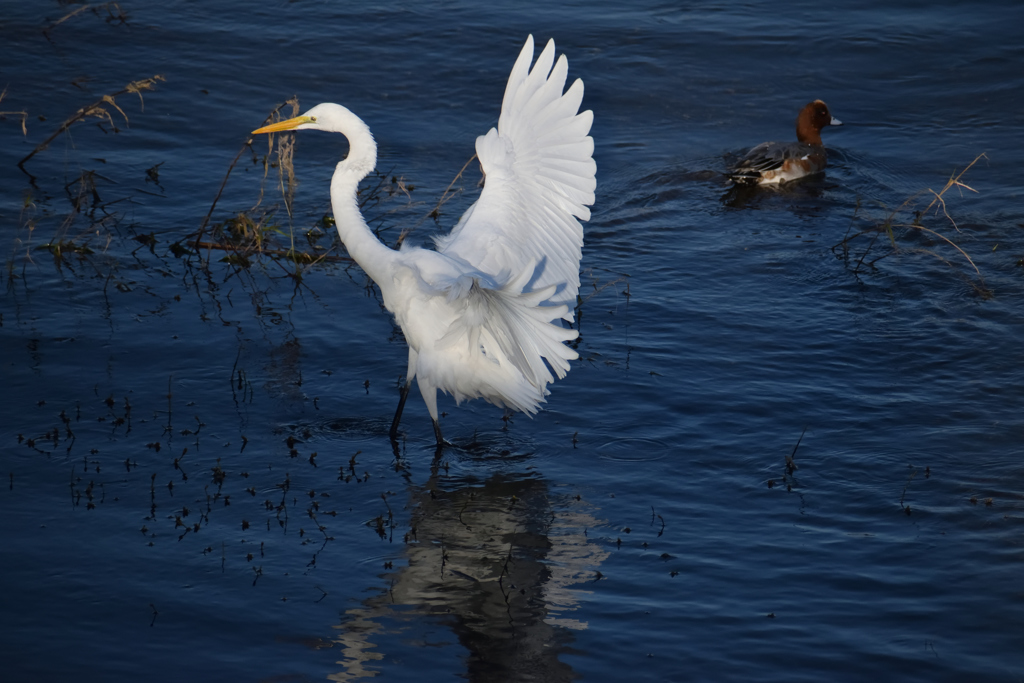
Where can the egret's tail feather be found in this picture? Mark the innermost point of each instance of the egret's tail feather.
(513, 339)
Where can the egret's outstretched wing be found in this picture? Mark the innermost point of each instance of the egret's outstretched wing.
(539, 179)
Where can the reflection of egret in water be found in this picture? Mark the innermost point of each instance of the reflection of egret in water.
(501, 564)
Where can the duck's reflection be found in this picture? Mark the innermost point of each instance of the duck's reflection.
(501, 562)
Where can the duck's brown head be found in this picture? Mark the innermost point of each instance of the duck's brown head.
(811, 120)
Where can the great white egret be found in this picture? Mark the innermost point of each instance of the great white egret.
(772, 163)
(483, 313)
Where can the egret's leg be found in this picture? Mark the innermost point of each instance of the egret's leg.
(430, 398)
(403, 394)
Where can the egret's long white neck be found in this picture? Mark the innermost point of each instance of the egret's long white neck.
(363, 246)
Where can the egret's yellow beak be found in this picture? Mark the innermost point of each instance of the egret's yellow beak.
(288, 124)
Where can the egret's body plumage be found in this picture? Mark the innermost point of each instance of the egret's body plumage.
(483, 313)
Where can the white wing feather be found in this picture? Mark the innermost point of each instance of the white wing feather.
(540, 178)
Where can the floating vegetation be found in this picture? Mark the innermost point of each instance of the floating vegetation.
(788, 478)
(171, 477)
(114, 14)
(71, 236)
(863, 249)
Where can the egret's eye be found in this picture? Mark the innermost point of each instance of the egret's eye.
(312, 119)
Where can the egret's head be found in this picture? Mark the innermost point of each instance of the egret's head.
(326, 116)
(334, 118)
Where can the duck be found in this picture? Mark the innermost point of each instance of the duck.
(774, 163)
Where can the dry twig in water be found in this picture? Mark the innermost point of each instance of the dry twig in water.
(436, 211)
(22, 114)
(890, 224)
(98, 109)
